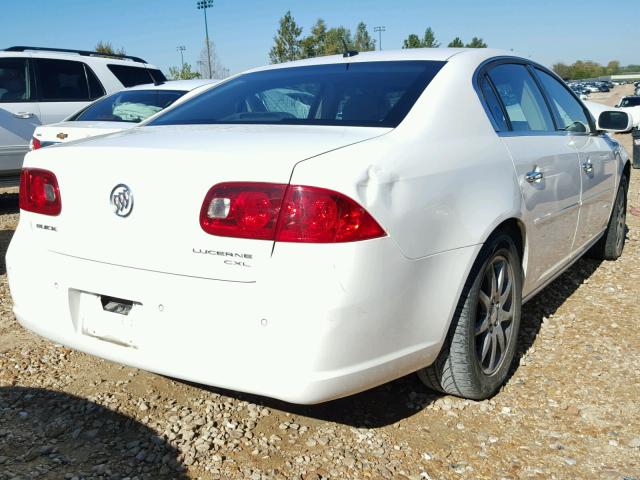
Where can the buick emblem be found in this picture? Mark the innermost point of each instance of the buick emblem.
(121, 200)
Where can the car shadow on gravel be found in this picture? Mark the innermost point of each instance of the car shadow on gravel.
(402, 398)
(59, 434)
(9, 203)
(5, 238)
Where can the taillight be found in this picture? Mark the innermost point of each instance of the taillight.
(34, 144)
(294, 213)
(39, 192)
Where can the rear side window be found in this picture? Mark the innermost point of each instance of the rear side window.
(131, 76)
(15, 85)
(376, 94)
(493, 104)
(523, 101)
(630, 102)
(96, 90)
(568, 113)
(62, 80)
(157, 75)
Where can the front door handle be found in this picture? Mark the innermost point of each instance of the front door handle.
(534, 176)
(24, 115)
(587, 166)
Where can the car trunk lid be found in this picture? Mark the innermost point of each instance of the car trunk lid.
(168, 171)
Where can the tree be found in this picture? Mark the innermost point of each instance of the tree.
(412, 41)
(563, 71)
(314, 44)
(476, 43)
(456, 43)
(106, 48)
(335, 39)
(362, 41)
(184, 73)
(429, 40)
(613, 67)
(286, 41)
(217, 69)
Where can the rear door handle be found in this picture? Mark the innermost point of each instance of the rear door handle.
(24, 115)
(534, 176)
(587, 166)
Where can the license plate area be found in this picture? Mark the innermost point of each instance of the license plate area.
(106, 318)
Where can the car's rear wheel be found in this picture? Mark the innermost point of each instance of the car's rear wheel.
(611, 245)
(475, 359)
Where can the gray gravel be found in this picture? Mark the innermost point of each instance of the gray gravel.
(570, 409)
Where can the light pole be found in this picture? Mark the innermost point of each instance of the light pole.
(203, 5)
(379, 29)
(181, 49)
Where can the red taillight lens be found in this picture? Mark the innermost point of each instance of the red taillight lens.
(284, 213)
(243, 210)
(35, 143)
(39, 192)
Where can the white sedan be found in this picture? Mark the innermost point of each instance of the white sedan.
(118, 111)
(310, 230)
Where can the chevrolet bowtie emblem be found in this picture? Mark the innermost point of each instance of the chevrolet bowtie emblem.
(62, 136)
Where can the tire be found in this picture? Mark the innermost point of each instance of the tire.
(461, 369)
(611, 245)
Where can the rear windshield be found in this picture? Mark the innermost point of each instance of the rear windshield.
(129, 106)
(371, 94)
(630, 102)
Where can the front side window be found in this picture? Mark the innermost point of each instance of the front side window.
(567, 111)
(523, 101)
(376, 94)
(131, 106)
(62, 80)
(14, 80)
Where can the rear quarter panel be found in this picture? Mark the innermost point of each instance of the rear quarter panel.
(441, 180)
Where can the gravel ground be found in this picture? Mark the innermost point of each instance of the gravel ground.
(570, 409)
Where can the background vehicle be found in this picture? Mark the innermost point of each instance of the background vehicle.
(118, 111)
(44, 85)
(629, 101)
(332, 213)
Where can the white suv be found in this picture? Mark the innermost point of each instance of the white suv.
(45, 85)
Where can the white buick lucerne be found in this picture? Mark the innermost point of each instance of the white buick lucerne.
(310, 230)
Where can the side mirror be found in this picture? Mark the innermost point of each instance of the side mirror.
(614, 121)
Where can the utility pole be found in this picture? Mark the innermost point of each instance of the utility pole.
(203, 5)
(379, 29)
(181, 49)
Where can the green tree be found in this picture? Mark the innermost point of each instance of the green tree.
(184, 73)
(562, 70)
(106, 48)
(286, 41)
(314, 45)
(334, 40)
(362, 40)
(456, 43)
(412, 41)
(613, 67)
(429, 40)
(476, 43)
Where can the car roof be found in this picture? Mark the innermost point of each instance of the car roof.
(183, 85)
(434, 54)
(75, 56)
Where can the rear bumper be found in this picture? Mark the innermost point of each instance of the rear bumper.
(313, 327)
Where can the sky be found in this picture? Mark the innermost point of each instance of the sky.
(545, 30)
